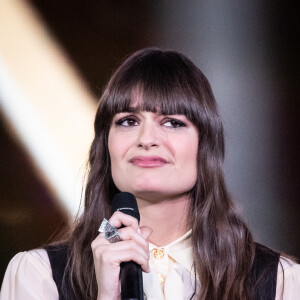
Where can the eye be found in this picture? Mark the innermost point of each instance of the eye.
(173, 123)
(127, 122)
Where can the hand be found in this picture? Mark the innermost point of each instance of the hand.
(108, 256)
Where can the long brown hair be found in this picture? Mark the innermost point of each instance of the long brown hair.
(222, 244)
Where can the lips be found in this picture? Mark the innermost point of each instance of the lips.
(148, 161)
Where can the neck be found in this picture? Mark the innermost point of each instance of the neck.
(167, 218)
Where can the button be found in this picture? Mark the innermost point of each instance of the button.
(159, 253)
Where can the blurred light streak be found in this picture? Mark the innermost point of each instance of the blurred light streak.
(45, 101)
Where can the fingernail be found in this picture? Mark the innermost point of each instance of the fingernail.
(139, 230)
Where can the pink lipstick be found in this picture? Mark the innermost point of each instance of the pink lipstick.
(148, 161)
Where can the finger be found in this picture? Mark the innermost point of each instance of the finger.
(128, 233)
(116, 253)
(119, 219)
(130, 245)
(116, 257)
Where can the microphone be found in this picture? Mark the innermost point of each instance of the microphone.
(130, 273)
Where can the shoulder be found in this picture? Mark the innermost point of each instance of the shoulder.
(287, 266)
(40, 255)
(28, 273)
(264, 272)
(274, 274)
(265, 264)
(58, 257)
(288, 279)
(35, 260)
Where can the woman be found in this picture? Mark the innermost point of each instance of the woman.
(159, 136)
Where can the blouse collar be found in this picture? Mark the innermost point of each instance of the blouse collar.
(179, 250)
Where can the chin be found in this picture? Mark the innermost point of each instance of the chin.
(146, 183)
(150, 195)
(156, 192)
(147, 189)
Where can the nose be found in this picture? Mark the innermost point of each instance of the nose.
(148, 136)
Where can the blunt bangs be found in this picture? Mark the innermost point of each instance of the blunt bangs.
(157, 81)
(164, 82)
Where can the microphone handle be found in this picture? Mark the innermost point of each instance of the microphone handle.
(131, 281)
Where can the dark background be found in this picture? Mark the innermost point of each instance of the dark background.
(249, 52)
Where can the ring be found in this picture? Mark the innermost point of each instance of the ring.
(111, 232)
(103, 225)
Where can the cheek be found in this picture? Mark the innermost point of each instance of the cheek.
(187, 156)
(119, 143)
(187, 148)
(190, 168)
(117, 147)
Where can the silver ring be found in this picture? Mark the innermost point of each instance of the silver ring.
(103, 225)
(111, 232)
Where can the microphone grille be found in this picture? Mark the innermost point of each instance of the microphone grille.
(126, 203)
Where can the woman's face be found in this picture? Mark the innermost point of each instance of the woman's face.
(153, 156)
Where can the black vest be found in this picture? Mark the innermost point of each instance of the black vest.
(263, 272)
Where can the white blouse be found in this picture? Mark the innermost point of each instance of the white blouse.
(29, 276)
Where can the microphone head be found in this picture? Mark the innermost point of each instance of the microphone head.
(125, 203)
